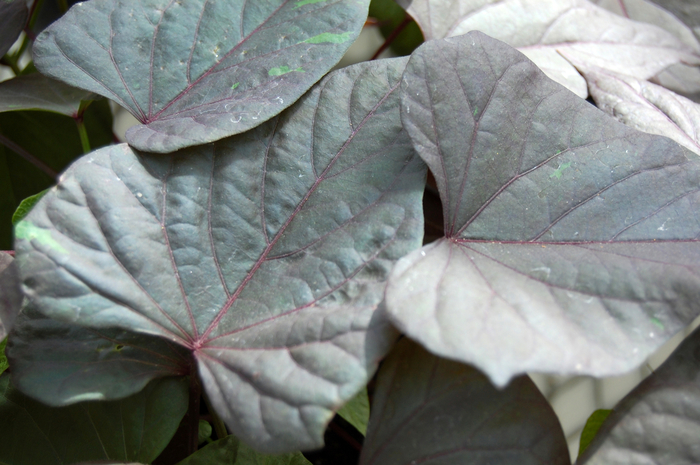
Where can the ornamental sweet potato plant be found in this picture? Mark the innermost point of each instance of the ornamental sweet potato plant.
(221, 286)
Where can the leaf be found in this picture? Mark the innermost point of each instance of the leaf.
(679, 78)
(543, 28)
(133, 429)
(51, 138)
(430, 410)
(10, 293)
(26, 205)
(645, 106)
(37, 92)
(687, 11)
(3, 360)
(197, 71)
(231, 451)
(590, 429)
(571, 240)
(205, 430)
(659, 421)
(356, 411)
(59, 363)
(390, 16)
(264, 254)
(13, 17)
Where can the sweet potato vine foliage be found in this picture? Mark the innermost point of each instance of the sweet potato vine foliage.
(257, 244)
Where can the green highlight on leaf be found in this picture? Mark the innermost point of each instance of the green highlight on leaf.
(557, 173)
(595, 421)
(301, 3)
(329, 38)
(658, 323)
(25, 206)
(27, 231)
(233, 87)
(283, 70)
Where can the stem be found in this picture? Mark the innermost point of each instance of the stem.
(406, 21)
(79, 121)
(28, 156)
(193, 413)
(219, 425)
(83, 134)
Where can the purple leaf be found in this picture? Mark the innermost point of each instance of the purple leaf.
(197, 71)
(571, 240)
(264, 254)
(433, 411)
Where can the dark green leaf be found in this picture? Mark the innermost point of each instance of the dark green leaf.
(10, 293)
(433, 411)
(593, 424)
(198, 71)
(51, 138)
(265, 254)
(659, 421)
(356, 411)
(571, 240)
(38, 92)
(60, 363)
(133, 429)
(26, 205)
(231, 451)
(13, 17)
(391, 16)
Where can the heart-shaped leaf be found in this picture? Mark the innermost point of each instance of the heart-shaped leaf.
(13, 17)
(433, 411)
(571, 240)
(10, 293)
(38, 92)
(265, 254)
(133, 429)
(60, 363)
(645, 106)
(543, 28)
(198, 71)
(659, 421)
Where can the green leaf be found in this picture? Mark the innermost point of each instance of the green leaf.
(559, 256)
(61, 363)
(172, 64)
(264, 254)
(390, 16)
(3, 359)
(13, 17)
(10, 293)
(26, 205)
(593, 424)
(51, 138)
(231, 451)
(38, 92)
(433, 411)
(659, 421)
(133, 429)
(356, 411)
(205, 430)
